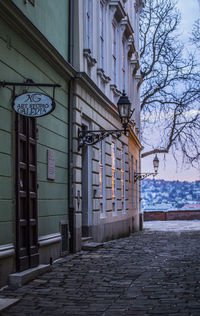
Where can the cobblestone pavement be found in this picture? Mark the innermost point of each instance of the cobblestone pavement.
(149, 273)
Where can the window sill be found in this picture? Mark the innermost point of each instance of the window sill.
(103, 215)
(113, 87)
(101, 74)
(88, 55)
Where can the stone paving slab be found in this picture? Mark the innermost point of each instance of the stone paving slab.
(149, 273)
(7, 302)
(23, 277)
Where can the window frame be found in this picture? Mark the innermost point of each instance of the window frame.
(88, 25)
(114, 51)
(114, 174)
(102, 178)
(123, 177)
(102, 35)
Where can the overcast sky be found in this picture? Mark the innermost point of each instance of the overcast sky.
(190, 11)
(168, 169)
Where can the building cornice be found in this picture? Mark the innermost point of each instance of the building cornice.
(128, 28)
(119, 10)
(15, 18)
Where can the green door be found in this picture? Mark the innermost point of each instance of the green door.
(27, 255)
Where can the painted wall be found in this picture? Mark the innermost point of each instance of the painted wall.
(51, 18)
(114, 220)
(17, 62)
(94, 42)
(134, 187)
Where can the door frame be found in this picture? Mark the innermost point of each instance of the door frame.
(87, 216)
(26, 220)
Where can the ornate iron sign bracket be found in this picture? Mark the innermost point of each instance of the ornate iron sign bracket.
(141, 176)
(32, 104)
(88, 137)
(28, 83)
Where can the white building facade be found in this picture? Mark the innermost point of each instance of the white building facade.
(105, 53)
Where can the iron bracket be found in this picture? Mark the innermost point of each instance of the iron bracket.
(141, 176)
(89, 137)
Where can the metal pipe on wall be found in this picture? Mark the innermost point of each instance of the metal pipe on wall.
(70, 130)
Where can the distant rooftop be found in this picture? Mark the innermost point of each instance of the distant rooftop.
(159, 207)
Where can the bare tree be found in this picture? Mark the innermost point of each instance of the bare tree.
(169, 84)
(196, 34)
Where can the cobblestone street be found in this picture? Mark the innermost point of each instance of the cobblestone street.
(154, 272)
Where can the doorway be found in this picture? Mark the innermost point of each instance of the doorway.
(27, 255)
(86, 189)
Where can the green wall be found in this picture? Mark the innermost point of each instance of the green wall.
(19, 61)
(51, 18)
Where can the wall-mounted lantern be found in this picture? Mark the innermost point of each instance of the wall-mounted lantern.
(141, 176)
(91, 137)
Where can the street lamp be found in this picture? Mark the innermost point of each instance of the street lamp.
(91, 137)
(156, 163)
(124, 109)
(141, 176)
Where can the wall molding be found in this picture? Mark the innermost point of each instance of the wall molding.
(7, 251)
(49, 239)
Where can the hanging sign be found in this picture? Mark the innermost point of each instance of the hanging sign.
(33, 104)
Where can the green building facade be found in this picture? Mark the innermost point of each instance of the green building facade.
(34, 204)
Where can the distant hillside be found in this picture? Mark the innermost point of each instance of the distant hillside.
(169, 194)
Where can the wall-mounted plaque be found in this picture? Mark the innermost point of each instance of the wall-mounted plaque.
(33, 104)
(51, 164)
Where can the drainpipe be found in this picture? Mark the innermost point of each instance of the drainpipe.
(71, 27)
(70, 131)
(141, 215)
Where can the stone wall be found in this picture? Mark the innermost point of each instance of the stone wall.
(172, 215)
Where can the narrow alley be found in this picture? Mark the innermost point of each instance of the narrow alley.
(154, 272)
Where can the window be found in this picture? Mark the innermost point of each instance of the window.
(136, 187)
(113, 170)
(131, 10)
(123, 178)
(101, 171)
(130, 81)
(88, 24)
(89, 60)
(101, 20)
(88, 29)
(102, 183)
(132, 183)
(123, 64)
(114, 63)
(122, 172)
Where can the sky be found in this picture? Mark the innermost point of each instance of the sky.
(190, 11)
(168, 167)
